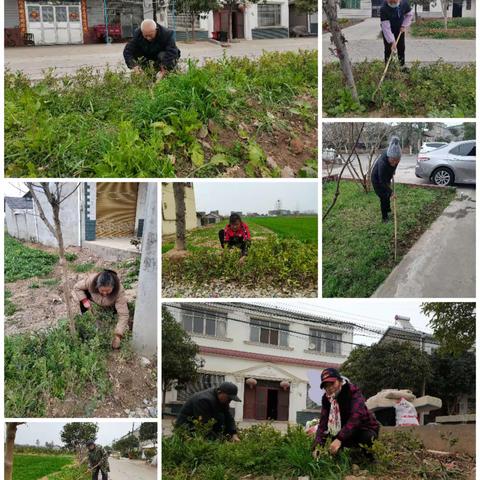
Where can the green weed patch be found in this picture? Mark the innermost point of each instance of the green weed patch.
(431, 90)
(272, 262)
(52, 364)
(9, 307)
(463, 28)
(33, 467)
(24, 262)
(195, 123)
(358, 249)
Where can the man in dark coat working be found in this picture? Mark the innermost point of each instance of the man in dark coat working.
(345, 419)
(152, 43)
(211, 404)
(382, 174)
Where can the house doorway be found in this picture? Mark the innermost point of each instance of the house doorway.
(457, 9)
(266, 401)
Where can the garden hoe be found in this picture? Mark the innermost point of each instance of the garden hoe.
(395, 217)
(392, 54)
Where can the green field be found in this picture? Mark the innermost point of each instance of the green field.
(358, 249)
(303, 228)
(33, 467)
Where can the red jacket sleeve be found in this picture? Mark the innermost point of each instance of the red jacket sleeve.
(247, 230)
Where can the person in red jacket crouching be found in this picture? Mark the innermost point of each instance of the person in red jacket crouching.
(236, 234)
(345, 418)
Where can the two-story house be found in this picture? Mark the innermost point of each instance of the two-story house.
(267, 352)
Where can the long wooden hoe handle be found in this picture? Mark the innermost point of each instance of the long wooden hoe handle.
(395, 217)
(386, 68)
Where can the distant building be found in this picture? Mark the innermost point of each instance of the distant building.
(211, 218)
(265, 351)
(279, 213)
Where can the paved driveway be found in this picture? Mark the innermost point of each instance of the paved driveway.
(442, 263)
(364, 43)
(123, 469)
(67, 59)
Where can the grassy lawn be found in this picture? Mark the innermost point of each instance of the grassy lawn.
(265, 453)
(24, 262)
(358, 249)
(428, 90)
(283, 253)
(463, 28)
(33, 467)
(227, 115)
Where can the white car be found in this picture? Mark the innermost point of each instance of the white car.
(429, 146)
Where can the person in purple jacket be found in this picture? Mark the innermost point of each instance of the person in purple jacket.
(345, 419)
(395, 17)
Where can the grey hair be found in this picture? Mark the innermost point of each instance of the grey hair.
(148, 22)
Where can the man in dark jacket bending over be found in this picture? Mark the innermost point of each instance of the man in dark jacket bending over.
(152, 43)
(211, 404)
(382, 174)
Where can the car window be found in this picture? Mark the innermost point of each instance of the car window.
(464, 150)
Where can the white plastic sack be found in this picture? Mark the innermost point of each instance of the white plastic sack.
(405, 414)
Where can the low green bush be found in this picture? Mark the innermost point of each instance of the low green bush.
(52, 364)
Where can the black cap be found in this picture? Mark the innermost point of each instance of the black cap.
(329, 375)
(90, 442)
(230, 389)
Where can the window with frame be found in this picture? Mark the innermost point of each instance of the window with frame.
(350, 4)
(468, 5)
(426, 7)
(464, 150)
(269, 333)
(203, 322)
(269, 15)
(324, 341)
(182, 21)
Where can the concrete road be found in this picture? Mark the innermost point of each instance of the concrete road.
(69, 58)
(123, 469)
(364, 43)
(442, 262)
(405, 170)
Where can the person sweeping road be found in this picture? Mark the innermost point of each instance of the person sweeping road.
(97, 461)
(382, 175)
(152, 45)
(236, 234)
(345, 418)
(211, 405)
(104, 289)
(395, 17)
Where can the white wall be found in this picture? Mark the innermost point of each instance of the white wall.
(69, 217)
(168, 209)
(11, 14)
(21, 224)
(252, 12)
(365, 11)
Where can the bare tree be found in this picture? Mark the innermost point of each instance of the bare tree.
(339, 178)
(55, 197)
(10, 447)
(339, 41)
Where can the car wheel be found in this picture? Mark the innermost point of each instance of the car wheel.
(443, 177)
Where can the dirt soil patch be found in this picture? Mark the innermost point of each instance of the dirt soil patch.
(40, 307)
(134, 393)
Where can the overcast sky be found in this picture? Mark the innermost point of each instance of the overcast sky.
(378, 314)
(14, 189)
(256, 197)
(50, 432)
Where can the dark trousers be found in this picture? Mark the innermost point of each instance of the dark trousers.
(400, 48)
(158, 63)
(234, 242)
(361, 437)
(384, 195)
(97, 471)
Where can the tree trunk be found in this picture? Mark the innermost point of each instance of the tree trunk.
(63, 263)
(330, 9)
(193, 27)
(179, 194)
(9, 448)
